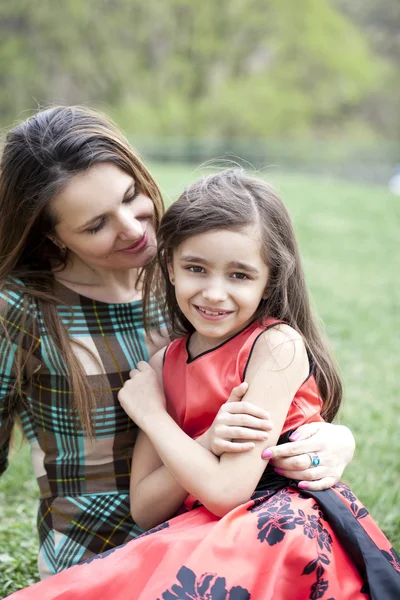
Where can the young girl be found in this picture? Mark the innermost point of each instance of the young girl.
(235, 289)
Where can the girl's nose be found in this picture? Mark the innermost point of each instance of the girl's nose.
(215, 293)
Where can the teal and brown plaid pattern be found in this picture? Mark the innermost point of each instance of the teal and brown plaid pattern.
(84, 483)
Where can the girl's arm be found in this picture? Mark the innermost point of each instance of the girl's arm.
(277, 368)
(151, 480)
(155, 494)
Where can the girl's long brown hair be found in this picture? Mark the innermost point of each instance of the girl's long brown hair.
(40, 156)
(233, 200)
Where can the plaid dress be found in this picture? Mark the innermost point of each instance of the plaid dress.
(84, 483)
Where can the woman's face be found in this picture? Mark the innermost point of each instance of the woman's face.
(105, 220)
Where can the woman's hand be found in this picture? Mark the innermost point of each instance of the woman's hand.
(142, 395)
(238, 424)
(334, 446)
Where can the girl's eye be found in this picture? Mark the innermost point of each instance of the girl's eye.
(97, 228)
(132, 197)
(241, 276)
(196, 269)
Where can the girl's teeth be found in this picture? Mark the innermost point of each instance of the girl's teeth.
(208, 312)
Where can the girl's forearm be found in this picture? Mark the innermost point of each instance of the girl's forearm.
(168, 494)
(159, 486)
(195, 468)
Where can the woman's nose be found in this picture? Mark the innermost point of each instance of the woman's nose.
(130, 228)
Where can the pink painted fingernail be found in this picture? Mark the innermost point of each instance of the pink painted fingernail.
(266, 453)
(303, 485)
(279, 471)
(295, 436)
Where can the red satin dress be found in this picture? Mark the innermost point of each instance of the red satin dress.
(283, 544)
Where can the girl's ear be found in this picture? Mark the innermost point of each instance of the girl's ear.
(266, 289)
(171, 272)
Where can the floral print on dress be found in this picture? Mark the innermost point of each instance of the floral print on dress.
(99, 556)
(393, 558)
(156, 528)
(208, 586)
(275, 516)
(319, 588)
(344, 490)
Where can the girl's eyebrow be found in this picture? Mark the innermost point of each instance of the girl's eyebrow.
(243, 267)
(192, 258)
(231, 265)
(129, 189)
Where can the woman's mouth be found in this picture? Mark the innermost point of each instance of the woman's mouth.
(137, 246)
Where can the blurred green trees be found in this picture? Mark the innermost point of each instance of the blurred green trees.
(232, 68)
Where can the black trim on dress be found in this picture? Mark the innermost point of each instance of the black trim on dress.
(190, 360)
(310, 358)
(255, 341)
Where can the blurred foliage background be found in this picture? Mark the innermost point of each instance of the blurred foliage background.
(312, 84)
(307, 91)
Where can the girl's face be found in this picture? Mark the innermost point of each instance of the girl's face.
(105, 220)
(220, 278)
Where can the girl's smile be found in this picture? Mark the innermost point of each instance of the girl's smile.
(212, 314)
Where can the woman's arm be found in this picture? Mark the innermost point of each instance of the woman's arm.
(6, 424)
(334, 445)
(276, 370)
(8, 352)
(238, 425)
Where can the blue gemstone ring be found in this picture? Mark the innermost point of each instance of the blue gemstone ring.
(315, 460)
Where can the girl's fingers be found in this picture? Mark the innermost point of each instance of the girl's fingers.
(244, 433)
(238, 392)
(247, 421)
(246, 408)
(234, 447)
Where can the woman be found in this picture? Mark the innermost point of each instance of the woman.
(78, 218)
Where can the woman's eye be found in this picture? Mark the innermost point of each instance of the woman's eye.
(241, 276)
(96, 228)
(196, 269)
(132, 197)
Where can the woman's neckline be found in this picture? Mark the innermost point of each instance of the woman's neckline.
(60, 285)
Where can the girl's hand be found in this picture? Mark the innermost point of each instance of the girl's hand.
(142, 395)
(334, 445)
(238, 424)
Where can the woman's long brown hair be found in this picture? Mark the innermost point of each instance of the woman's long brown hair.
(233, 200)
(40, 156)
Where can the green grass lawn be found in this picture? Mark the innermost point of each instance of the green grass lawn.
(349, 236)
